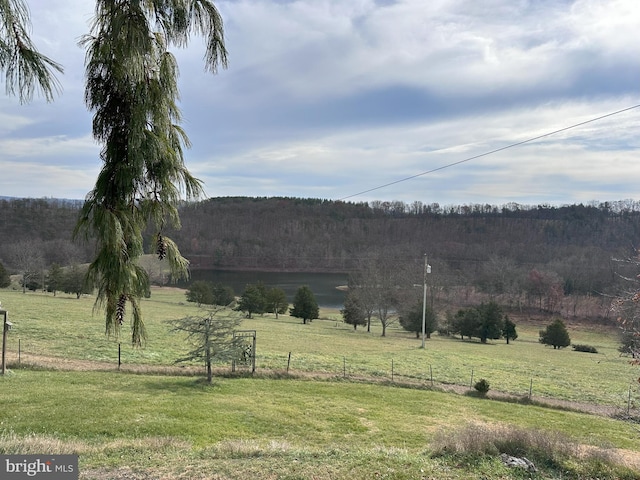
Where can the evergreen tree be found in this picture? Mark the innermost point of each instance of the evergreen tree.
(24, 67)
(74, 281)
(490, 322)
(509, 330)
(411, 320)
(252, 300)
(223, 295)
(5, 278)
(353, 312)
(630, 344)
(305, 305)
(555, 334)
(276, 301)
(131, 86)
(200, 292)
(55, 278)
(465, 322)
(211, 336)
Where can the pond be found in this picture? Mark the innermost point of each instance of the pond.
(323, 285)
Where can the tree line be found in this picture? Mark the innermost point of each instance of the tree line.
(539, 253)
(256, 298)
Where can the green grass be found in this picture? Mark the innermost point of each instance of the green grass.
(67, 327)
(322, 421)
(122, 420)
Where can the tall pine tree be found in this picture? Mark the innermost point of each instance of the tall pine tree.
(131, 86)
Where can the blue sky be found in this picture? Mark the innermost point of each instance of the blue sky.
(329, 98)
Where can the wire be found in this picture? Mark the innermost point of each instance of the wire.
(492, 151)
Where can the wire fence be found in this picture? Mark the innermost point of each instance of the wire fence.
(620, 403)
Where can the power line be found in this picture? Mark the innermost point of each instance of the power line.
(493, 151)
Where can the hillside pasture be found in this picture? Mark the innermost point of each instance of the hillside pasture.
(353, 404)
(68, 328)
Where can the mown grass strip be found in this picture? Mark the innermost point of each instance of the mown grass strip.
(173, 427)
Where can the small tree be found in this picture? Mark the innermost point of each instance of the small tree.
(305, 305)
(465, 322)
(509, 330)
(353, 312)
(31, 280)
(276, 301)
(482, 387)
(630, 344)
(75, 281)
(55, 278)
(490, 323)
(200, 292)
(411, 321)
(252, 300)
(211, 336)
(555, 334)
(223, 295)
(5, 279)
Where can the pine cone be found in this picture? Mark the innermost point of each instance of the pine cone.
(161, 247)
(120, 308)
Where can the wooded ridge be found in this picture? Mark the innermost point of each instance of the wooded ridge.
(484, 245)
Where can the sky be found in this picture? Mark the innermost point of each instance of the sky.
(335, 99)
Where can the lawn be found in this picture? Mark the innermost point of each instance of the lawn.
(146, 423)
(354, 404)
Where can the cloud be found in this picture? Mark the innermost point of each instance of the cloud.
(346, 163)
(328, 98)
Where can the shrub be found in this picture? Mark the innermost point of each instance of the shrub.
(482, 387)
(584, 348)
(555, 334)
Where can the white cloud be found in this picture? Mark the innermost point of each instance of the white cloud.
(50, 147)
(331, 97)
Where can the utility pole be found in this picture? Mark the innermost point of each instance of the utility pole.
(427, 269)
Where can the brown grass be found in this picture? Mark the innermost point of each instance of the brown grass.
(537, 445)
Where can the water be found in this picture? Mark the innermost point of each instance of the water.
(323, 285)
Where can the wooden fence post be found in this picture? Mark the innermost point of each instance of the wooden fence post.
(530, 388)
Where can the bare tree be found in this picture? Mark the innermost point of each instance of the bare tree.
(26, 257)
(378, 286)
(626, 307)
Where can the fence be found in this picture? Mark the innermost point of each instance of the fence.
(357, 368)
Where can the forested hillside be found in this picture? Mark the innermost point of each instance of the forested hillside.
(492, 247)
(466, 244)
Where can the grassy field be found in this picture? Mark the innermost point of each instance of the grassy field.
(322, 421)
(322, 430)
(66, 327)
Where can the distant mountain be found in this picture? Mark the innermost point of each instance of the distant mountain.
(46, 199)
(481, 245)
